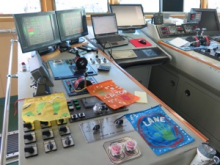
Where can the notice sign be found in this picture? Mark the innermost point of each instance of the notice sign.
(159, 131)
(111, 94)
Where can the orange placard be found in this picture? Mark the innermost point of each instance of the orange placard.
(111, 94)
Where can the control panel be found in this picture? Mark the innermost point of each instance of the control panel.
(49, 136)
(171, 30)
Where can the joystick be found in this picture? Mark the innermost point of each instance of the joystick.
(198, 40)
(82, 82)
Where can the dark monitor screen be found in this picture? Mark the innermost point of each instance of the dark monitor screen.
(41, 75)
(36, 30)
(72, 24)
(209, 19)
(129, 16)
(171, 5)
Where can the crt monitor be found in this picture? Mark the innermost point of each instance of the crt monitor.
(209, 20)
(37, 31)
(129, 16)
(171, 6)
(72, 25)
(40, 75)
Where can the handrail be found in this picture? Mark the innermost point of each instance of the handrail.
(6, 108)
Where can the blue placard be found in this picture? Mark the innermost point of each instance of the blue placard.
(159, 131)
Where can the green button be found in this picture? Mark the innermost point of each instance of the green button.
(78, 107)
(76, 103)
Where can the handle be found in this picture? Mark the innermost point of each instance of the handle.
(172, 83)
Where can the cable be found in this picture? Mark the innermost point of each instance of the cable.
(110, 52)
(15, 108)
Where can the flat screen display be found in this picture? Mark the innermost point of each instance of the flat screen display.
(129, 15)
(72, 24)
(172, 5)
(36, 30)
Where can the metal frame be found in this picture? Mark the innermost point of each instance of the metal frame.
(6, 108)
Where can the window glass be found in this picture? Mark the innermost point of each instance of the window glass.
(19, 6)
(214, 4)
(90, 6)
(152, 6)
(149, 6)
(188, 4)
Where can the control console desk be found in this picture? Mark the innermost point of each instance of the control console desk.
(82, 152)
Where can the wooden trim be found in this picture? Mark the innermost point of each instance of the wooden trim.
(204, 3)
(199, 134)
(187, 54)
(6, 19)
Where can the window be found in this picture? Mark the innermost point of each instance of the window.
(152, 6)
(149, 6)
(188, 4)
(214, 4)
(19, 6)
(90, 6)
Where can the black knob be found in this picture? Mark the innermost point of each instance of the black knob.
(96, 127)
(61, 121)
(46, 133)
(172, 83)
(50, 145)
(67, 141)
(28, 137)
(29, 149)
(119, 122)
(187, 93)
(63, 129)
(27, 125)
(45, 123)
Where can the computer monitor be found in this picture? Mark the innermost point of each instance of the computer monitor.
(129, 16)
(171, 6)
(41, 77)
(36, 31)
(209, 20)
(72, 25)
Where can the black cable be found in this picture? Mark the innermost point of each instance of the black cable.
(110, 52)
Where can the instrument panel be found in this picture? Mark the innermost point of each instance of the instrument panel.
(172, 30)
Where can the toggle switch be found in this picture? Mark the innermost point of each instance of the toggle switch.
(30, 150)
(47, 134)
(28, 137)
(64, 130)
(50, 146)
(96, 128)
(67, 141)
(28, 127)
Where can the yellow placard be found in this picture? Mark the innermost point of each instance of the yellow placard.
(45, 108)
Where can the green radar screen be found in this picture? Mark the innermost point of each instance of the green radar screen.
(159, 131)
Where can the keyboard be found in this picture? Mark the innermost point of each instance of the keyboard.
(111, 39)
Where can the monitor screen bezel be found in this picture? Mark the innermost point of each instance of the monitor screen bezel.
(216, 18)
(74, 36)
(133, 26)
(23, 39)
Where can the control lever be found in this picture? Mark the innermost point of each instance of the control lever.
(197, 31)
(203, 29)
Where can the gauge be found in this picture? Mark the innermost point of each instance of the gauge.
(172, 29)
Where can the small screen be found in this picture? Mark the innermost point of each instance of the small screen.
(72, 24)
(128, 15)
(37, 29)
(104, 24)
(172, 5)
